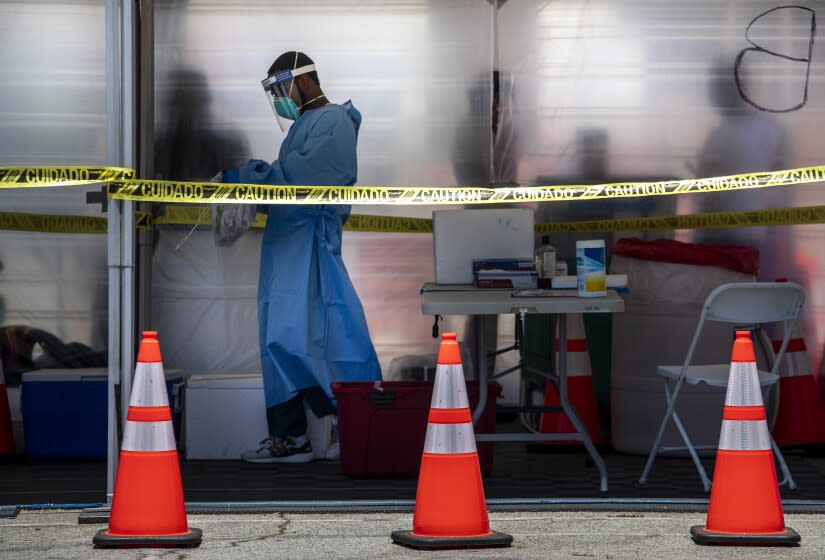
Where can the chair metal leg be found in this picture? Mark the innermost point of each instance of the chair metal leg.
(671, 403)
(692, 450)
(787, 478)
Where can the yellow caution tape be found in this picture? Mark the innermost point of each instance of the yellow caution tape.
(121, 185)
(712, 220)
(58, 223)
(388, 224)
(184, 215)
(188, 215)
(16, 221)
(144, 220)
(194, 215)
(207, 193)
(61, 176)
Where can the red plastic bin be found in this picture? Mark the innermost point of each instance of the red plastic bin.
(382, 426)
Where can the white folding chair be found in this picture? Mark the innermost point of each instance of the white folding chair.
(753, 303)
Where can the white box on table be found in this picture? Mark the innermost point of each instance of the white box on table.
(461, 236)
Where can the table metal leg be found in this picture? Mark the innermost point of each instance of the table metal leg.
(481, 367)
(568, 408)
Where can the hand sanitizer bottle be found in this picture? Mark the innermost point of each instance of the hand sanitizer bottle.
(545, 258)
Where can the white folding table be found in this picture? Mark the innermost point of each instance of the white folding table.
(466, 300)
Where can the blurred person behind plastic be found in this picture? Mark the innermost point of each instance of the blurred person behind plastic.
(190, 147)
(472, 148)
(745, 140)
(472, 166)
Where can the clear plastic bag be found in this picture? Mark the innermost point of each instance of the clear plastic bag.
(230, 221)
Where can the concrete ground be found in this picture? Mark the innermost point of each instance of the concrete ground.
(584, 535)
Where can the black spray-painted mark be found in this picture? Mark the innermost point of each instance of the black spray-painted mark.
(756, 48)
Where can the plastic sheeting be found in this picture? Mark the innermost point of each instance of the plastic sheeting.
(204, 298)
(53, 112)
(615, 90)
(420, 72)
(588, 92)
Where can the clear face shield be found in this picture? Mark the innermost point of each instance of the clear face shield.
(279, 90)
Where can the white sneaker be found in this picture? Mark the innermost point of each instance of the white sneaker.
(278, 450)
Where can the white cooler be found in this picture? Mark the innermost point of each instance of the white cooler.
(225, 415)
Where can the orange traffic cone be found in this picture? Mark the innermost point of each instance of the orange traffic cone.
(580, 390)
(450, 509)
(6, 432)
(745, 507)
(147, 507)
(800, 419)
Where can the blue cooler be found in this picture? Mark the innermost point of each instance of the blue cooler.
(64, 412)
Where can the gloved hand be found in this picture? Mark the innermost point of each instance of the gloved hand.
(230, 221)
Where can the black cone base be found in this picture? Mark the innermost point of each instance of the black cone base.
(493, 540)
(191, 539)
(788, 537)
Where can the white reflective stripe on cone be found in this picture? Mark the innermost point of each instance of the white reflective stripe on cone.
(575, 326)
(744, 435)
(450, 438)
(149, 386)
(743, 385)
(578, 364)
(450, 390)
(148, 436)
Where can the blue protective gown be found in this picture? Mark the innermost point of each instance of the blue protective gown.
(312, 327)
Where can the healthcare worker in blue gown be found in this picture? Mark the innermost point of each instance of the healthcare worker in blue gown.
(312, 326)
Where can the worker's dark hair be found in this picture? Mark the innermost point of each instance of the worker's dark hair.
(287, 62)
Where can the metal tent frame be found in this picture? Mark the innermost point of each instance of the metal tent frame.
(120, 109)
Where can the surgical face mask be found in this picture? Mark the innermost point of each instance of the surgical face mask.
(285, 107)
